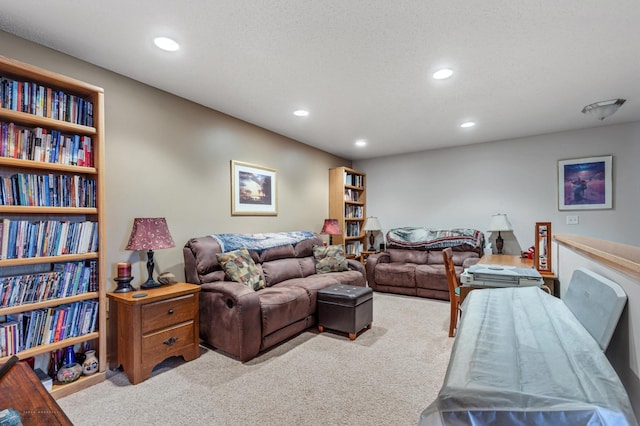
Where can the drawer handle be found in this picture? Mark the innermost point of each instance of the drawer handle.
(170, 311)
(170, 341)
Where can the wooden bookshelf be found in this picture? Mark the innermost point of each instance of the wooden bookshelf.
(90, 100)
(347, 204)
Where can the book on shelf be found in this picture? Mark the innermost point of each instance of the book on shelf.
(352, 179)
(45, 326)
(27, 239)
(32, 98)
(48, 190)
(41, 144)
(66, 279)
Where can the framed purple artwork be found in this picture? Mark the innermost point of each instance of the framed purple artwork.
(585, 183)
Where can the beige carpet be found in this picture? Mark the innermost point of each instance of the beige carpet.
(387, 376)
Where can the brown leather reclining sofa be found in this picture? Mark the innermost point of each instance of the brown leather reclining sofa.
(413, 264)
(244, 322)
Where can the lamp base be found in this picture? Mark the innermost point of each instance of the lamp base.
(150, 283)
(499, 243)
(124, 285)
(372, 240)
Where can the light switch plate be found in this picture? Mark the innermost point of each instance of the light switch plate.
(572, 220)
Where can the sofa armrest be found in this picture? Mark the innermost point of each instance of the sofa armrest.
(230, 318)
(370, 266)
(355, 265)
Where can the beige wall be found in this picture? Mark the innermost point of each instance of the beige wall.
(166, 156)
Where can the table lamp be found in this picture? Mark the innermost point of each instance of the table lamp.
(150, 233)
(371, 225)
(331, 227)
(499, 222)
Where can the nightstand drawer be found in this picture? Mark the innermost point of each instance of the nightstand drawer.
(168, 312)
(163, 344)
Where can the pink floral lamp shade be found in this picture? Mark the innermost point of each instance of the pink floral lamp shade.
(331, 227)
(150, 233)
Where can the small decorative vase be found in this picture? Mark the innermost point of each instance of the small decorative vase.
(54, 364)
(69, 373)
(70, 370)
(90, 364)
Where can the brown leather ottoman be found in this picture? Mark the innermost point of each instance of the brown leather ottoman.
(345, 308)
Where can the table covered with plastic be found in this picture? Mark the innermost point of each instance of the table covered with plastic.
(522, 357)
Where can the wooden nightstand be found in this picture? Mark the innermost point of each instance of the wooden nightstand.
(147, 330)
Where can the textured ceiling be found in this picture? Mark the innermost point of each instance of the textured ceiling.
(363, 67)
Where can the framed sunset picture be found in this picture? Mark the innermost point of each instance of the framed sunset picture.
(253, 190)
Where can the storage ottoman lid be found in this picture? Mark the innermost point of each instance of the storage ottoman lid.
(345, 294)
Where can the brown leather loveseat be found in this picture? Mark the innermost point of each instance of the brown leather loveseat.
(242, 321)
(413, 264)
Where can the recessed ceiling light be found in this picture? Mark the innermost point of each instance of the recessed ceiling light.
(467, 124)
(443, 73)
(166, 43)
(361, 142)
(301, 113)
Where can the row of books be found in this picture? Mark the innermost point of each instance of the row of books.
(25, 239)
(66, 279)
(49, 190)
(353, 248)
(351, 194)
(33, 98)
(353, 212)
(353, 180)
(352, 229)
(40, 144)
(48, 325)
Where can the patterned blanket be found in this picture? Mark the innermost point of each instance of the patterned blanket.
(260, 242)
(426, 239)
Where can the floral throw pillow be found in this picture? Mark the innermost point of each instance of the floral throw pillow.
(240, 267)
(330, 259)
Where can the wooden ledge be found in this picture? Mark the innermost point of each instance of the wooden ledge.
(623, 257)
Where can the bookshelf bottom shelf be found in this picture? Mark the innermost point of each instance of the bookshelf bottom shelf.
(60, 391)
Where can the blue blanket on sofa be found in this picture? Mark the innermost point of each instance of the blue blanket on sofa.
(260, 242)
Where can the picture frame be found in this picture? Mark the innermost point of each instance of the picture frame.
(542, 248)
(254, 190)
(585, 183)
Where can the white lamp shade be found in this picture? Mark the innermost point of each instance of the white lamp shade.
(371, 224)
(499, 222)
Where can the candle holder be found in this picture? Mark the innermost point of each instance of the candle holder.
(124, 285)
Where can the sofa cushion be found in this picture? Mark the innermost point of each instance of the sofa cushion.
(283, 305)
(275, 253)
(240, 267)
(330, 259)
(395, 274)
(408, 256)
(432, 277)
(280, 270)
